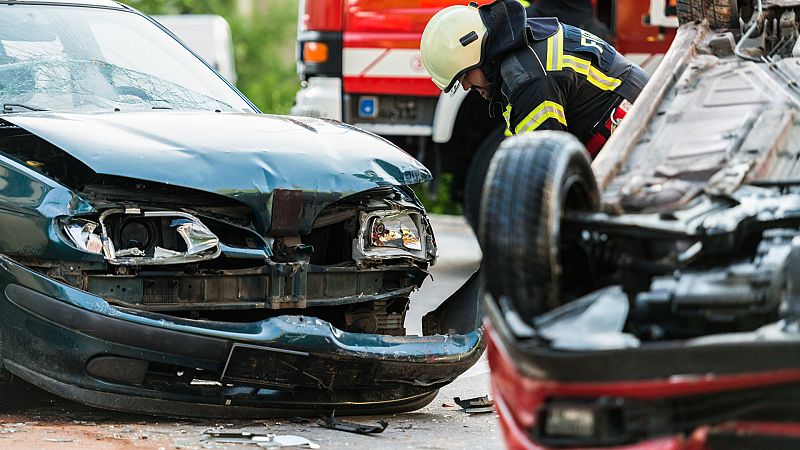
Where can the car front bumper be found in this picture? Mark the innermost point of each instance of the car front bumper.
(75, 345)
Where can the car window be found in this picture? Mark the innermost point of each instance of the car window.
(78, 58)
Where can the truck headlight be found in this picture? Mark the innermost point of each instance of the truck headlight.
(392, 234)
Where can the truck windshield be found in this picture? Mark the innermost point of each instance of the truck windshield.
(91, 59)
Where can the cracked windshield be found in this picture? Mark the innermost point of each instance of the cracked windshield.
(84, 59)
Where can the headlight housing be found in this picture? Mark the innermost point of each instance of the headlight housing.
(139, 238)
(394, 234)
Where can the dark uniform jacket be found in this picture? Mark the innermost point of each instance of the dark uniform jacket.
(555, 76)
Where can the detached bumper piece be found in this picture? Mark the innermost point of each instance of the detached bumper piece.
(332, 423)
(77, 346)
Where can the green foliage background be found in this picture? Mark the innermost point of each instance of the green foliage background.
(264, 34)
(437, 197)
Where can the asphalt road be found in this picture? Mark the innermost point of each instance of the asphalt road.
(32, 419)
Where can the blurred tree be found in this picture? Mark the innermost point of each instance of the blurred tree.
(263, 44)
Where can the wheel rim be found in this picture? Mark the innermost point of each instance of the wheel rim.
(568, 259)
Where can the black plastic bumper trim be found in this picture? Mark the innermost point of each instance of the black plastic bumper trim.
(129, 403)
(116, 330)
(650, 361)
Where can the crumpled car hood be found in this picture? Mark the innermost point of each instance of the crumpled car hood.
(242, 156)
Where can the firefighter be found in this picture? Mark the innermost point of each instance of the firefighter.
(541, 74)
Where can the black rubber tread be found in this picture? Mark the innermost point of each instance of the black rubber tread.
(476, 175)
(721, 14)
(521, 214)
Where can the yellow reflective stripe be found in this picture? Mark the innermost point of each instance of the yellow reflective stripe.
(525, 3)
(507, 116)
(546, 110)
(557, 60)
(593, 75)
(555, 50)
(601, 80)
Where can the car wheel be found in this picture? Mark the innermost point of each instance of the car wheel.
(532, 181)
(721, 14)
(476, 174)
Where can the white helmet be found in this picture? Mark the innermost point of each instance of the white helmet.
(452, 43)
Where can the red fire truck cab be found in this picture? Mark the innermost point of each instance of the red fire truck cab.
(359, 62)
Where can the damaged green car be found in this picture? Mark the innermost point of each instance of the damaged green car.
(166, 249)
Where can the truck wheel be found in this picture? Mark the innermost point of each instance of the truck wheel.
(476, 174)
(721, 14)
(532, 180)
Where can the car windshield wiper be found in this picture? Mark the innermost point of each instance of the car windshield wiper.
(15, 107)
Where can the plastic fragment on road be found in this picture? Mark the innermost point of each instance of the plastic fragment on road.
(332, 423)
(265, 440)
(477, 405)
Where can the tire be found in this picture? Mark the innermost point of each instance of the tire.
(532, 180)
(721, 14)
(476, 174)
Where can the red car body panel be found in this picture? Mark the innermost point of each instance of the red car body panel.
(518, 399)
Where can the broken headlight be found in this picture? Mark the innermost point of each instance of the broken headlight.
(82, 233)
(392, 234)
(135, 237)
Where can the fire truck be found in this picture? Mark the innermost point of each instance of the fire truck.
(359, 62)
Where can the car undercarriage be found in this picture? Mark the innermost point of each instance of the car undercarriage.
(703, 211)
(698, 209)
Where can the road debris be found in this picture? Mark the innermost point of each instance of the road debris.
(477, 405)
(335, 424)
(267, 440)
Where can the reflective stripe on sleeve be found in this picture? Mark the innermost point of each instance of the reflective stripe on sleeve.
(555, 50)
(557, 60)
(546, 110)
(507, 116)
(593, 75)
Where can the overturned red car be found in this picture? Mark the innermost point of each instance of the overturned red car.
(649, 299)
